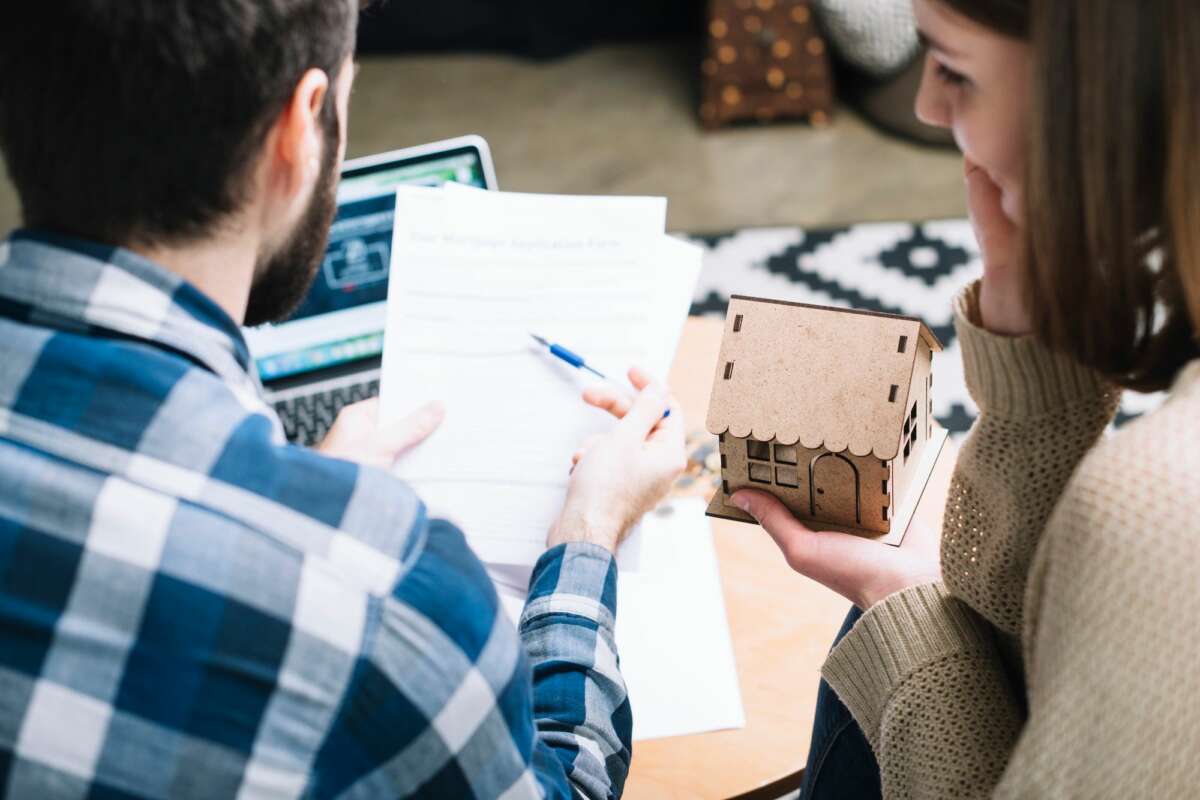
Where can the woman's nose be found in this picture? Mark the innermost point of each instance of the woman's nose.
(932, 106)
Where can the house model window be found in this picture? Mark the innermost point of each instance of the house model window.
(829, 410)
(773, 464)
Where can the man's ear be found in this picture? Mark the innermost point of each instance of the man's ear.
(298, 139)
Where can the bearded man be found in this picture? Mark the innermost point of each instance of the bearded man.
(189, 606)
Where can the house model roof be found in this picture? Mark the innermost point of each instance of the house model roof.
(823, 377)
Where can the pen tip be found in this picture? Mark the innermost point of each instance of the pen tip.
(540, 340)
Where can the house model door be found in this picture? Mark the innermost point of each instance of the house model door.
(835, 490)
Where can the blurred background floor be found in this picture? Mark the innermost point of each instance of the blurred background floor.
(621, 119)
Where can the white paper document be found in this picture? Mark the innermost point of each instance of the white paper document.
(473, 275)
(672, 631)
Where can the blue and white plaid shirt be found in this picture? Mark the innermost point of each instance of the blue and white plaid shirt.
(191, 607)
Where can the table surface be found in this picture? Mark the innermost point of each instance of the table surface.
(782, 625)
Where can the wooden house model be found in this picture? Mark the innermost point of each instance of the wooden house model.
(828, 409)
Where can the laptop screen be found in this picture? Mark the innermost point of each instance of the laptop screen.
(342, 318)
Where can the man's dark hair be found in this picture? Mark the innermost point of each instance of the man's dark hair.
(129, 121)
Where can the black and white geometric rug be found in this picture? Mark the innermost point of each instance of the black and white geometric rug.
(901, 268)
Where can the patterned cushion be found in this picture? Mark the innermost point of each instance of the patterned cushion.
(765, 60)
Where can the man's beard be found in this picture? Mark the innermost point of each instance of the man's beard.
(286, 275)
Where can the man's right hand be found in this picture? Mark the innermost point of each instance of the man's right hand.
(620, 476)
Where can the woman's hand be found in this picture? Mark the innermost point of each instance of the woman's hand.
(1003, 298)
(620, 476)
(862, 570)
(357, 436)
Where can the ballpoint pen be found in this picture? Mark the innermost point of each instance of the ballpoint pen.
(575, 360)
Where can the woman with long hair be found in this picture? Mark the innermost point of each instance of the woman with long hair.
(1051, 650)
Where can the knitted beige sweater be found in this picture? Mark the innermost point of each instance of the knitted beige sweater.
(1062, 656)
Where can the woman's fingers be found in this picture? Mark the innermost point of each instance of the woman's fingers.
(1003, 299)
(985, 205)
(845, 563)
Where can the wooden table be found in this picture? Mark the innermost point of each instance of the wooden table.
(782, 626)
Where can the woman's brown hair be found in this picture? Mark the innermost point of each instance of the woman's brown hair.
(1009, 17)
(1113, 183)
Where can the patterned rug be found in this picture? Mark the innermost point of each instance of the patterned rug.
(901, 268)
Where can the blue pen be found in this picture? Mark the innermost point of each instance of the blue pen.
(575, 360)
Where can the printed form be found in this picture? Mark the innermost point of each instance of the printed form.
(473, 275)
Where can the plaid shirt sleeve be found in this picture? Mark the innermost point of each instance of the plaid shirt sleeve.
(579, 700)
(450, 701)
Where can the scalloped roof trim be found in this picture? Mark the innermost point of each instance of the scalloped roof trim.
(860, 449)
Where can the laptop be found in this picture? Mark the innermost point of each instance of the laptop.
(327, 355)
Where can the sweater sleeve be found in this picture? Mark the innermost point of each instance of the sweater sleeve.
(922, 675)
(1039, 414)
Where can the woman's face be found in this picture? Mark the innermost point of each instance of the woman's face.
(976, 83)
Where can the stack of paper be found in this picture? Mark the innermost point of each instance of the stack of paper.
(473, 274)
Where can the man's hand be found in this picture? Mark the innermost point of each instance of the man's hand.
(861, 570)
(1003, 297)
(357, 436)
(622, 475)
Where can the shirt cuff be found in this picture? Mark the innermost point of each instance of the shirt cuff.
(576, 579)
(1018, 376)
(896, 639)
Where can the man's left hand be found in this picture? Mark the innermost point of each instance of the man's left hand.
(357, 436)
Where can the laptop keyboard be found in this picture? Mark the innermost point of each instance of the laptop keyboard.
(307, 418)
